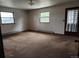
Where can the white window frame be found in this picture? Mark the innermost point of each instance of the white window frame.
(41, 17)
(6, 17)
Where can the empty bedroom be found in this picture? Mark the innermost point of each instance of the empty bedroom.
(40, 28)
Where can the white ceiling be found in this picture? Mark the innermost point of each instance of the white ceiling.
(22, 4)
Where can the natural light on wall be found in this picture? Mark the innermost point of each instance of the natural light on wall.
(44, 17)
(7, 18)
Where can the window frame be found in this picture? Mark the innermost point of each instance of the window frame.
(7, 23)
(44, 17)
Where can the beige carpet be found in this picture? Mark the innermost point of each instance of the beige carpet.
(40, 45)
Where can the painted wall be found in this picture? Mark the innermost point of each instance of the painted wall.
(57, 17)
(20, 21)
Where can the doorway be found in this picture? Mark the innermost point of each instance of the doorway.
(72, 21)
(1, 45)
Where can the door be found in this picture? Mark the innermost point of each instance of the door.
(72, 21)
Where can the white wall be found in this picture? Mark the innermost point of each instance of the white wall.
(57, 17)
(20, 21)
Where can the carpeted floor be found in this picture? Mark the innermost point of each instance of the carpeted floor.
(40, 45)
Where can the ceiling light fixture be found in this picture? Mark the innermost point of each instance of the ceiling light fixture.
(31, 2)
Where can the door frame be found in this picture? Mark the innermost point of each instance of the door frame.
(1, 46)
(1, 43)
(70, 33)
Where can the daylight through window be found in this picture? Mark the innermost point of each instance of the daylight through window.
(44, 17)
(7, 18)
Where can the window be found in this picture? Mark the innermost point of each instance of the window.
(7, 18)
(44, 17)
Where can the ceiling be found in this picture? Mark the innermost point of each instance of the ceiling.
(22, 4)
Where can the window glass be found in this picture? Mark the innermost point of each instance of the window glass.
(7, 18)
(44, 17)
